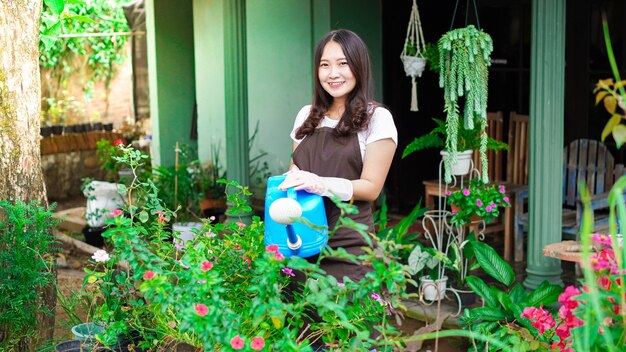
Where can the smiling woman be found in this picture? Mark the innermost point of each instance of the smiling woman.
(343, 146)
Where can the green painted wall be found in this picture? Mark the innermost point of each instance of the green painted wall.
(171, 75)
(208, 27)
(364, 17)
(279, 74)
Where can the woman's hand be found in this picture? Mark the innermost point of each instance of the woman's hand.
(312, 183)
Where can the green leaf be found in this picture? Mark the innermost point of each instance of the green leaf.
(489, 313)
(56, 6)
(81, 18)
(619, 134)
(48, 41)
(480, 288)
(608, 128)
(545, 294)
(493, 264)
(143, 216)
(600, 96)
(518, 293)
(53, 31)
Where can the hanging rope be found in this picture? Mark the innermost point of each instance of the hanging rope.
(411, 56)
(456, 6)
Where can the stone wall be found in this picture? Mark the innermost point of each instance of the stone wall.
(63, 172)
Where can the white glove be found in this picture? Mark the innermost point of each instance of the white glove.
(324, 186)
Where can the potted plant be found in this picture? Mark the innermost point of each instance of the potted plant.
(181, 188)
(475, 201)
(430, 270)
(465, 58)
(467, 141)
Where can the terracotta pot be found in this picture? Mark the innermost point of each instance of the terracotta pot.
(473, 219)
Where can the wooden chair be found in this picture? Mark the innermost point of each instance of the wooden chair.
(517, 155)
(495, 126)
(584, 160)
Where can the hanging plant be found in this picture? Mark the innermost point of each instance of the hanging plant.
(412, 53)
(464, 56)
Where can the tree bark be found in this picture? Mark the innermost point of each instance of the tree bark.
(21, 176)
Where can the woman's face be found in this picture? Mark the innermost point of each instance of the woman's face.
(334, 73)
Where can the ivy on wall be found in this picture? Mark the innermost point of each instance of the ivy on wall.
(90, 57)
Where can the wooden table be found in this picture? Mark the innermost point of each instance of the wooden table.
(431, 192)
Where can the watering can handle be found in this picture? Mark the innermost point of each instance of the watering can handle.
(291, 193)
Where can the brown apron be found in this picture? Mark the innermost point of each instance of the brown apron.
(328, 155)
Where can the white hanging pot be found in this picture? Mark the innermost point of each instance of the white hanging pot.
(433, 290)
(413, 65)
(463, 162)
(183, 231)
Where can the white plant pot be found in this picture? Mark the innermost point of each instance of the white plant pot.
(463, 162)
(413, 65)
(433, 290)
(182, 231)
(102, 199)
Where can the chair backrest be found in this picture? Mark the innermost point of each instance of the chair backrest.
(517, 155)
(589, 161)
(495, 127)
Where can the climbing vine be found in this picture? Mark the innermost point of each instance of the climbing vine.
(101, 54)
(464, 56)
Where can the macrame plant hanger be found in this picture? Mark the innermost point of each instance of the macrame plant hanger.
(467, 6)
(414, 62)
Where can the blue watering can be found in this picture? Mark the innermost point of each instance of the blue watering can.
(282, 209)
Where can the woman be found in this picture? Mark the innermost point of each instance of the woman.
(343, 143)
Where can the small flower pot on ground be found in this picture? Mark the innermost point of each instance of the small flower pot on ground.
(433, 290)
(93, 235)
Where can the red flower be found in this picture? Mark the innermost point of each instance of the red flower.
(272, 248)
(236, 343)
(279, 256)
(116, 212)
(207, 265)
(539, 318)
(148, 275)
(118, 142)
(240, 224)
(237, 246)
(257, 343)
(201, 309)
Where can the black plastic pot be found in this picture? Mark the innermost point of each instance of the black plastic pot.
(467, 299)
(97, 126)
(93, 235)
(108, 127)
(57, 129)
(45, 131)
(69, 129)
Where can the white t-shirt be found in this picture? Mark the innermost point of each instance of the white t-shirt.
(381, 126)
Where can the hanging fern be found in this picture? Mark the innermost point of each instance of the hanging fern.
(464, 56)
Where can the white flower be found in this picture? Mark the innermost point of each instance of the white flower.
(100, 256)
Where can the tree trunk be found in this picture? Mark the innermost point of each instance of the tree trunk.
(21, 177)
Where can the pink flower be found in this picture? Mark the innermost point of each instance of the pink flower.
(279, 256)
(207, 265)
(148, 275)
(539, 318)
(566, 298)
(601, 239)
(506, 199)
(236, 343)
(453, 211)
(448, 193)
(257, 343)
(502, 190)
(466, 192)
(201, 309)
(605, 283)
(488, 208)
(272, 248)
(237, 246)
(288, 271)
(116, 212)
(162, 218)
(118, 142)
(479, 203)
(562, 331)
(240, 224)
(375, 296)
(340, 284)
